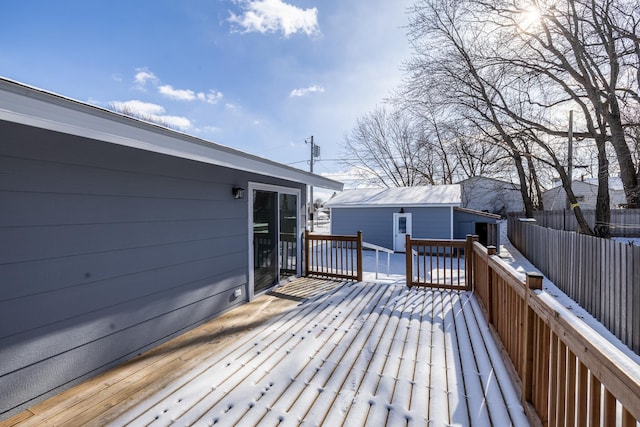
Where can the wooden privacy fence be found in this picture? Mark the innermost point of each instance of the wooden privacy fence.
(602, 276)
(438, 263)
(566, 374)
(623, 222)
(333, 256)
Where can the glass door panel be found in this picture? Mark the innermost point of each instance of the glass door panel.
(265, 239)
(288, 235)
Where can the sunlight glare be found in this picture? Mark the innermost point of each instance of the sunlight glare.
(529, 17)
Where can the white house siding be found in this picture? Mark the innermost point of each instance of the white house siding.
(108, 251)
(586, 192)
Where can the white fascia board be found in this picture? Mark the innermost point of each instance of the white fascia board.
(33, 107)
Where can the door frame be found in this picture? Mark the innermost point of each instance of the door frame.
(396, 217)
(279, 190)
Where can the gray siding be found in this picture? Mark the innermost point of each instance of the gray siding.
(376, 223)
(106, 252)
(465, 223)
(431, 223)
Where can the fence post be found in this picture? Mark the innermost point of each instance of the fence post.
(306, 252)
(409, 260)
(359, 257)
(491, 250)
(533, 282)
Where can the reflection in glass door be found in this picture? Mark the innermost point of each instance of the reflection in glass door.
(265, 239)
(288, 235)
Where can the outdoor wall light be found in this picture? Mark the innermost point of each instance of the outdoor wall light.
(238, 193)
(401, 210)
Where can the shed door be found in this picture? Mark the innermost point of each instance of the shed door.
(401, 227)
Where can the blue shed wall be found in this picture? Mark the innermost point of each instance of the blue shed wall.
(376, 223)
(106, 252)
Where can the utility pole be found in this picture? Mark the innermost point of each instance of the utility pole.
(570, 157)
(315, 152)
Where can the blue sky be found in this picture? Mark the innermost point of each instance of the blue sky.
(260, 76)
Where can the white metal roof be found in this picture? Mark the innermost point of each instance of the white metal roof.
(422, 196)
(30, 106)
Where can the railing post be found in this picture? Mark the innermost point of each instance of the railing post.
(533, 282)
(408, 251)
(359, 257)
(491, 250)
(468, 262)
(306, 252)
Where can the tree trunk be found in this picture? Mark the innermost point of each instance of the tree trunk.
(623, 154)
(603, 205)
(524, 186)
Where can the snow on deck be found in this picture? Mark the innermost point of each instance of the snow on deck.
(360, 354)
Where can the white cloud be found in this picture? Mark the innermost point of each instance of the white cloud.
(151, 112)
(143, 76)
(270, 16)
(306, 91)
(212, 97)
(177, 94)
(188, 95)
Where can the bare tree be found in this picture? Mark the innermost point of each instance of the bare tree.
(128, 111)
(389, 148)
(449, 68)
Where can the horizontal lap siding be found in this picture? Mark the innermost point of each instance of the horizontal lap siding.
(431, 223)
(107, 251)
(376, 224)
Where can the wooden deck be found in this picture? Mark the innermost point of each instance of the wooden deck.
(351, 353)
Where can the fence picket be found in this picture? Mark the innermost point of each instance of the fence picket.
(602, 276)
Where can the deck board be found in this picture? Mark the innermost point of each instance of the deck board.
(355, 354)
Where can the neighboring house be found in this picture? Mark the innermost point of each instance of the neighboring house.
(386, 216)
(586, 192)
(491, 195)
(117, 235)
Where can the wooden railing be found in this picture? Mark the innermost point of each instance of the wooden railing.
(333, 256)
(601, 275)
(438, 263)
(566, 373)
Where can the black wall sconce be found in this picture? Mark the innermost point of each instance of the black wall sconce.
(401, 210)
(238, 192)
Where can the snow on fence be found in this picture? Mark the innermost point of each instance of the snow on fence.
(333, 256)
(602, 276)
(438, 263)
(566, 373)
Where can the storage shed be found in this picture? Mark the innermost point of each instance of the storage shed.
(117, 235)
(386, 216)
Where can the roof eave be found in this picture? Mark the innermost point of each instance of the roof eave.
(37, 108)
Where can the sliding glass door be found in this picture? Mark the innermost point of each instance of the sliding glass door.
(265, 239)
(275, 235)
